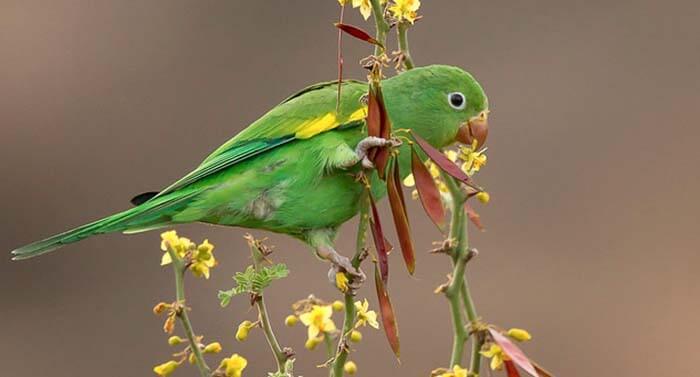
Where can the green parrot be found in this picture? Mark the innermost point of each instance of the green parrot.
(293, 170)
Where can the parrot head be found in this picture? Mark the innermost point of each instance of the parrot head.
(443, 104)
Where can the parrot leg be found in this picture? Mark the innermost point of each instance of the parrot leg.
(320, 240)
(369, 142)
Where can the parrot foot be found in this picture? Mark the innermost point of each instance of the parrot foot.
(340, 263)
(357, 277)
(369, 142)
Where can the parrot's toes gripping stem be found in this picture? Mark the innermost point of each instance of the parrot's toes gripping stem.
(370, 142)
(340, 263)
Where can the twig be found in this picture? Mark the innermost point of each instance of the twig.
(340, 59)
(458, 288)
(336, 370)
(280, 355)
(382, 27)
(403, 45)
(349, 299)
(179, 267)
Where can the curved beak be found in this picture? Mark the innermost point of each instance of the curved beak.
(477, 128)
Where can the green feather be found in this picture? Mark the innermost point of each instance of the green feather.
(286, 172)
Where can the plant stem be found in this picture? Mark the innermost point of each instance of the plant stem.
(477, 338)
(179, 268)
(279, 354)
(277, 351)
(458, 287)
(349, 300)
(403, 44)
(381, 26)
(329, 345)
(340, 59)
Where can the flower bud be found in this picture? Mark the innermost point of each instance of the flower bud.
(165, 369)
(519, 334)
(291, 320)
(213, 348)
(243, 330)
(338, 305)
(312, 343)
(350, 368)
(355, 336)
(242, 333)
(175, 340)
(160, 307)
(483, 197)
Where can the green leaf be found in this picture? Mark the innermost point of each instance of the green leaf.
(225, 297)
(253, 282)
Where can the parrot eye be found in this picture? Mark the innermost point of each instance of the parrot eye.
(457, 100)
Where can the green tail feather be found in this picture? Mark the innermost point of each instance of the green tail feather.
(150, 215)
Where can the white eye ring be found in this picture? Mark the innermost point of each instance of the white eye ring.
(457, 100)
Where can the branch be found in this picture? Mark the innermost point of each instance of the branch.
(280, 355)
(381, 26)
(179, 268)
(402, 32)
(349, 300)
(458, 288)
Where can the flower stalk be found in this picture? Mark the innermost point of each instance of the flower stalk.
(179, 268)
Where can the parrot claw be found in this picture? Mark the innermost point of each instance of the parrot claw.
(341, 264)
(369, 142)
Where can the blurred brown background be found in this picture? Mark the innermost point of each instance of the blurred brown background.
(592, 242)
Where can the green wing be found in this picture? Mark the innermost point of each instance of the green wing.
(301, 116)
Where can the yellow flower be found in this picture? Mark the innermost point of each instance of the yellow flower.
(233, 366)
(473, 160)
(457, 371)
(166, 369)
(433, 169)
(350, 367)
(520, 335)
(341, 281)
(318, 320)
(203, 260)
(451, 155)
(365, 7)
(180, 245)
(291, 320)
(343, 2)
(405, 10)
(495, 353)
(213, 348)
(365, 316)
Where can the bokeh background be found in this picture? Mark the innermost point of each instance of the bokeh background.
(592, 240)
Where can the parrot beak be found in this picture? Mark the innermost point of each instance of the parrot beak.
(477, 128)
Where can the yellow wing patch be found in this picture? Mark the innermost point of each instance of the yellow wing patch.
(313, 127)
